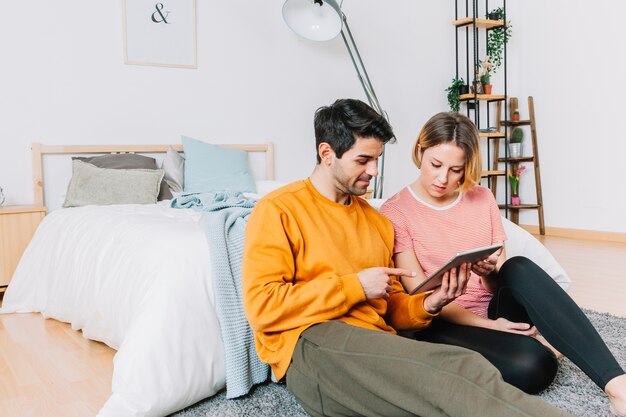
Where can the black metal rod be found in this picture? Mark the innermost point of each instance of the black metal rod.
(506, 129)
(456, 39)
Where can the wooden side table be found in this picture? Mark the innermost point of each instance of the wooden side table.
(17, 226)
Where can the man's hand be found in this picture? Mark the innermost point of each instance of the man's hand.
(376, 281)
(452, 286)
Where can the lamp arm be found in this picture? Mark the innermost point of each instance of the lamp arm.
(357, 61)
(364, 78)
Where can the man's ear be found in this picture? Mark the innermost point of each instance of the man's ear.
(325, 152)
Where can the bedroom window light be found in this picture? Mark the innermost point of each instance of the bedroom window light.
(323, 20)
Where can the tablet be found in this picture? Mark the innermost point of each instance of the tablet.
(472, 255)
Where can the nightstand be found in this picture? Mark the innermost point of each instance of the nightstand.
(17, 226)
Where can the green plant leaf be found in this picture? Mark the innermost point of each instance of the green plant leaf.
(453, 94)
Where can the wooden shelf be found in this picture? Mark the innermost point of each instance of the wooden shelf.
(482, 97)
(479, 23)
(518, 159)
(517, 123)
(520, 207)
(491, 135)
(492, 173)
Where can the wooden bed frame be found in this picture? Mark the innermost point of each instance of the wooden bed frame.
(39, 150)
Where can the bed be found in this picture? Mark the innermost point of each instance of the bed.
(137, 277)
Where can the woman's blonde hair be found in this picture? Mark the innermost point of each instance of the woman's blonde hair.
(449, 127)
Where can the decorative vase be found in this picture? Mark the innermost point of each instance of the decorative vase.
(515, 201)
(487, 88)
(1, 197)
(478, 87)
(515, 150)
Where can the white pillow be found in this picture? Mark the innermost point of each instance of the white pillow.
(174, 166)
(522, 243)
(267, 186)
(264, 187)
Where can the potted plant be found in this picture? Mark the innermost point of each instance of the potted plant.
(496, 38)
(453, 94)
(514, 181)
(515, 143)
(493, 15)
(515, 115)
(485, 78)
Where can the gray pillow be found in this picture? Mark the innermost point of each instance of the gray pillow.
(91, 185)
(120, 161)
(127, 161)
(174, 167)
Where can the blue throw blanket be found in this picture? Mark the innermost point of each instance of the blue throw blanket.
(224, 219)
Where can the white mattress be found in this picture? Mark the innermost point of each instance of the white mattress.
(138, 278)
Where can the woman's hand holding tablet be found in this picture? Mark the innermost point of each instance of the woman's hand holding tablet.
(469, 256)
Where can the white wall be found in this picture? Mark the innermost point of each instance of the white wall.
(64, 82)
(568, 55)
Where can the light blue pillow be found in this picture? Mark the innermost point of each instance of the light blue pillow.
(212, 168)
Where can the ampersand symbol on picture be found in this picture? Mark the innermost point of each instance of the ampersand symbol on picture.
(159, 7)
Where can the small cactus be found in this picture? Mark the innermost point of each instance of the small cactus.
(517, 135)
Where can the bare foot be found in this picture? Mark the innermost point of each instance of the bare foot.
(616, 390)
(544, 342)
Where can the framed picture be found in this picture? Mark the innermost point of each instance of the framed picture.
(160, 32)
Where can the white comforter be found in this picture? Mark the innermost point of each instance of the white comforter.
(138, 278)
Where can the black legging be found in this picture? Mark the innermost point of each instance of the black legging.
(527, 294)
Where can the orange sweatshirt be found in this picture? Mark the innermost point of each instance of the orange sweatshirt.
(301, 258)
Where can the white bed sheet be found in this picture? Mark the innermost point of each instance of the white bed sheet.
(138, 278)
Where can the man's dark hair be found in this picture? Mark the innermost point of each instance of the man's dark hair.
(342, 122)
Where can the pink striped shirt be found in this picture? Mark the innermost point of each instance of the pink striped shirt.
(436, 234)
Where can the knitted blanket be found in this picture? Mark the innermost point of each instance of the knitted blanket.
(223, 220)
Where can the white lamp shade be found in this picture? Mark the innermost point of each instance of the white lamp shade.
(312, 20)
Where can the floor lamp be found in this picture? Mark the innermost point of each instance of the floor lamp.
(323, 20)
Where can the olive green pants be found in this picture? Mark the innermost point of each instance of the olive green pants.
(343, 370)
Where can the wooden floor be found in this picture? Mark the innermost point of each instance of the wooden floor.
(597, 270)
(47, 369)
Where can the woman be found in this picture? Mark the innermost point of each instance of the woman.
(508, 307)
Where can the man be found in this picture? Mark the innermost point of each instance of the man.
(324, 300)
